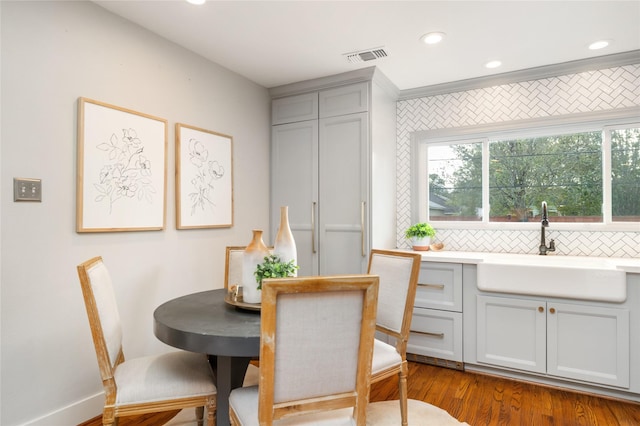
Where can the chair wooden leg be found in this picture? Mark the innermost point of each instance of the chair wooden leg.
(108, 417)
(200, 415)
(402, 384)
(211, 412)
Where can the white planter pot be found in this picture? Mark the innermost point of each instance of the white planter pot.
(421, 244)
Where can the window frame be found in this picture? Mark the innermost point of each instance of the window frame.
(582, 122)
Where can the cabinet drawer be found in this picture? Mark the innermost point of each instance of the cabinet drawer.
(294, 108)
(440, 286)
(344, 100)
(436, 334)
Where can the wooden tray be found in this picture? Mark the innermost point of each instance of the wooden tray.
(238, 303)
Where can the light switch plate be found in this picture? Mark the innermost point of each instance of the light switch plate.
(26, 189)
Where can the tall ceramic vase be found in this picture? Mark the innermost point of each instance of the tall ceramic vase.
(285, 246)
(254, 255)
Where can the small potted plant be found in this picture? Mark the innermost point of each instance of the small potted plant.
(420, 235)
(274, 267)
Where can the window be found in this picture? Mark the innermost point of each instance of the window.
(625, 174)
(455, 182)
(563, 170)
(585, 174)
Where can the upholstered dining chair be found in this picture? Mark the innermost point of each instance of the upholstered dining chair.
(315, 353)
(398, 272)
(233, 265)
(170, 381)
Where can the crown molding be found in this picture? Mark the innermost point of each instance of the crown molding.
(555, 70)
(350, 77)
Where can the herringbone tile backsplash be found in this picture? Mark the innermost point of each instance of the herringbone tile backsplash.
(570, 243)
(600, 90)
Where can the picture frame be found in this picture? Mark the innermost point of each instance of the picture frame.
(204, 178)
(121, 169)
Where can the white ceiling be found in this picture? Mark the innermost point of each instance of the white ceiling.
(278, 42)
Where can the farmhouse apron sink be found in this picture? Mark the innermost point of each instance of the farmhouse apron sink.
(570, 277)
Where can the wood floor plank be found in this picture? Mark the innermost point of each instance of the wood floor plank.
(483, 400)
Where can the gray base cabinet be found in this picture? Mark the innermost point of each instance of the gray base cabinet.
(587, 346)
(436, 327)
(582, 342)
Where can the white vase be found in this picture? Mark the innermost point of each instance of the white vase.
(285, 246)
(254, 255)
(420, 243)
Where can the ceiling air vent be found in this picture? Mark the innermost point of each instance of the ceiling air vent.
(366, 55)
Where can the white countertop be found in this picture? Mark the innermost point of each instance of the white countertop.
(630, 265)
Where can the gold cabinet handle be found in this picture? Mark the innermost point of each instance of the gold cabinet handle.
(427, 333)
(540, 309)
(362, 236)
(313, 227)
(439, 286)
(552, 310)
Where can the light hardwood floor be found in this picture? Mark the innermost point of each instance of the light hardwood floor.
(483, 400)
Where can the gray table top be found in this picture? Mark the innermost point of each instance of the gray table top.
(204, 322)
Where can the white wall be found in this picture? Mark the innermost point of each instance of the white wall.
(52, 53)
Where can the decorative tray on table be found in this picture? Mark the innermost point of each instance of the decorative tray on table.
(234, 299)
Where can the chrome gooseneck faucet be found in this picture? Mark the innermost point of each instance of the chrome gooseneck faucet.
(545, 223)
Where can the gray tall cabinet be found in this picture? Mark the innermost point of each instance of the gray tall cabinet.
(324, 142)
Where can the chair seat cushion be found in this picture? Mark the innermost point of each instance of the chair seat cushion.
(251, 376)
(168, 376)
(385, 356)
(244, 402)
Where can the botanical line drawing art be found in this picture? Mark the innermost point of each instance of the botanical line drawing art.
(121, 169)
(206, 173)
(204, 178)
(126, 172)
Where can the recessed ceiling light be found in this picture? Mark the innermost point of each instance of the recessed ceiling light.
(433, 37)
(196, 1)
(600, 44)
(493, 64)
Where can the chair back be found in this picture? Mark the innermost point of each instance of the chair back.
(104, 319)
(398, 272)
(233, 266)
(316, 345)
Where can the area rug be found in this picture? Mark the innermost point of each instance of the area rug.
(387, 413)
(384, 413)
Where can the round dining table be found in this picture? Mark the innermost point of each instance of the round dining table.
(204, 322)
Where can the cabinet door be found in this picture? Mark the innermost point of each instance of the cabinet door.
(512, 333)
(295, 108)
(294, 183)
(344, 100)
(343, 189)
(588, 343)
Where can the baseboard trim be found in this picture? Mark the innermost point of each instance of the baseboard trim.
(73, 414)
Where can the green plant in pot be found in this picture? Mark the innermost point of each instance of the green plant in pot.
(420, 235)
(274, 267)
